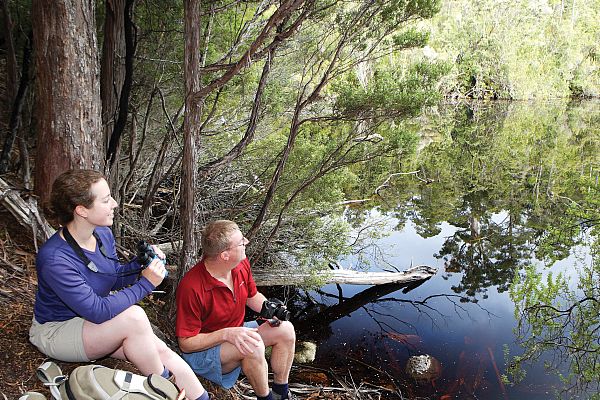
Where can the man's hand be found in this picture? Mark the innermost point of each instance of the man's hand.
(244, 339)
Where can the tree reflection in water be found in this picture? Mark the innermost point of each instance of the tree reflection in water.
(519, 185)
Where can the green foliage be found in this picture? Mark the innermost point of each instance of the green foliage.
(400, 92)
(520, 49)
(555, 318)
(322, 240)
(409, 38)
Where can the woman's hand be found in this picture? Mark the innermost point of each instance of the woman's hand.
(159, 252)
(155, 272)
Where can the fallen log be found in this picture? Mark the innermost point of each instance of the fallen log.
(25, 212)
(340, 276)
(343, 276)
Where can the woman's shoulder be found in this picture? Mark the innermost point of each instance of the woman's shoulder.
(106, 235)
(104, 231)
(52, 244)
(55, 249)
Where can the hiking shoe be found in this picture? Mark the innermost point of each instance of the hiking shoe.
(290, 396)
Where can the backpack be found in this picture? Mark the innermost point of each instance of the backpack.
(96, 382)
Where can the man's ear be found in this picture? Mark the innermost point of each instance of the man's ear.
(224, 255)
(81, 211)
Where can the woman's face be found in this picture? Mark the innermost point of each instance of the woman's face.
(101, 212)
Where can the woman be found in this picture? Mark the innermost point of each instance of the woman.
(85, 303)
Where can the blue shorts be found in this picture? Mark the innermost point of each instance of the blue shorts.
(207, 364)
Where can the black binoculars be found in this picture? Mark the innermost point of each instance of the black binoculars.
(274, 308)
(145, 254)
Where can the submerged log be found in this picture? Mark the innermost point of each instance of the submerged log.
(343, 276)
(413, 278)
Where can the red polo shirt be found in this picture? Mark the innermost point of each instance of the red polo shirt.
(205, 304)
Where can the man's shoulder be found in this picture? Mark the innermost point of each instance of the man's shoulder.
(244, 265)
(190, 278)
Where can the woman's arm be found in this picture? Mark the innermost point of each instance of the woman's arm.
(82, 297)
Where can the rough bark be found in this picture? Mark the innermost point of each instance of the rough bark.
(191, 134)
(112, 73)
(11, 54)
(67, 97)
(17, 106)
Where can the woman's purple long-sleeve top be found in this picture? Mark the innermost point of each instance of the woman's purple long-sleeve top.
(68, 289)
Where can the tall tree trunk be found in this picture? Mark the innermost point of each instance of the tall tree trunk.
(112, 152)
(15, 115)
(191, 123)
(112, 72)
(69, 131)
(12, 80)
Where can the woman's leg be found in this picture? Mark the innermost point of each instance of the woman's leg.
(127, 336)
(184, 376)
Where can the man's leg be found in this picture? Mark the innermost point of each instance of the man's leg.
(283, 340)
(254, 366)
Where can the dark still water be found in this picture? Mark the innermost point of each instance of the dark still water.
(497, 198)
(468, 338)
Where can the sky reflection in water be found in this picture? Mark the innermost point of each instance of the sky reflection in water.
(467, 338)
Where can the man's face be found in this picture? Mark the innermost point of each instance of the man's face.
(237, 246)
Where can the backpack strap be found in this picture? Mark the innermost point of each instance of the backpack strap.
(131, 383)
(51, 376)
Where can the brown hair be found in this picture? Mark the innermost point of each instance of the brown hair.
(216, 236)
(69, 190)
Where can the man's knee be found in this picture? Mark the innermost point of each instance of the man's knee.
(287, 333)
(258, 353)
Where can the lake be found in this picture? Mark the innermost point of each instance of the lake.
(498, 190)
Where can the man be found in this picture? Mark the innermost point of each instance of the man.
(211, 303)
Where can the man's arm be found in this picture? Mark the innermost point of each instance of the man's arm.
(201, 341)
(255, 302)
(244, 339)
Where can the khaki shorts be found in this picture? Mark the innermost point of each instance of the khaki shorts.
(61, 340)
